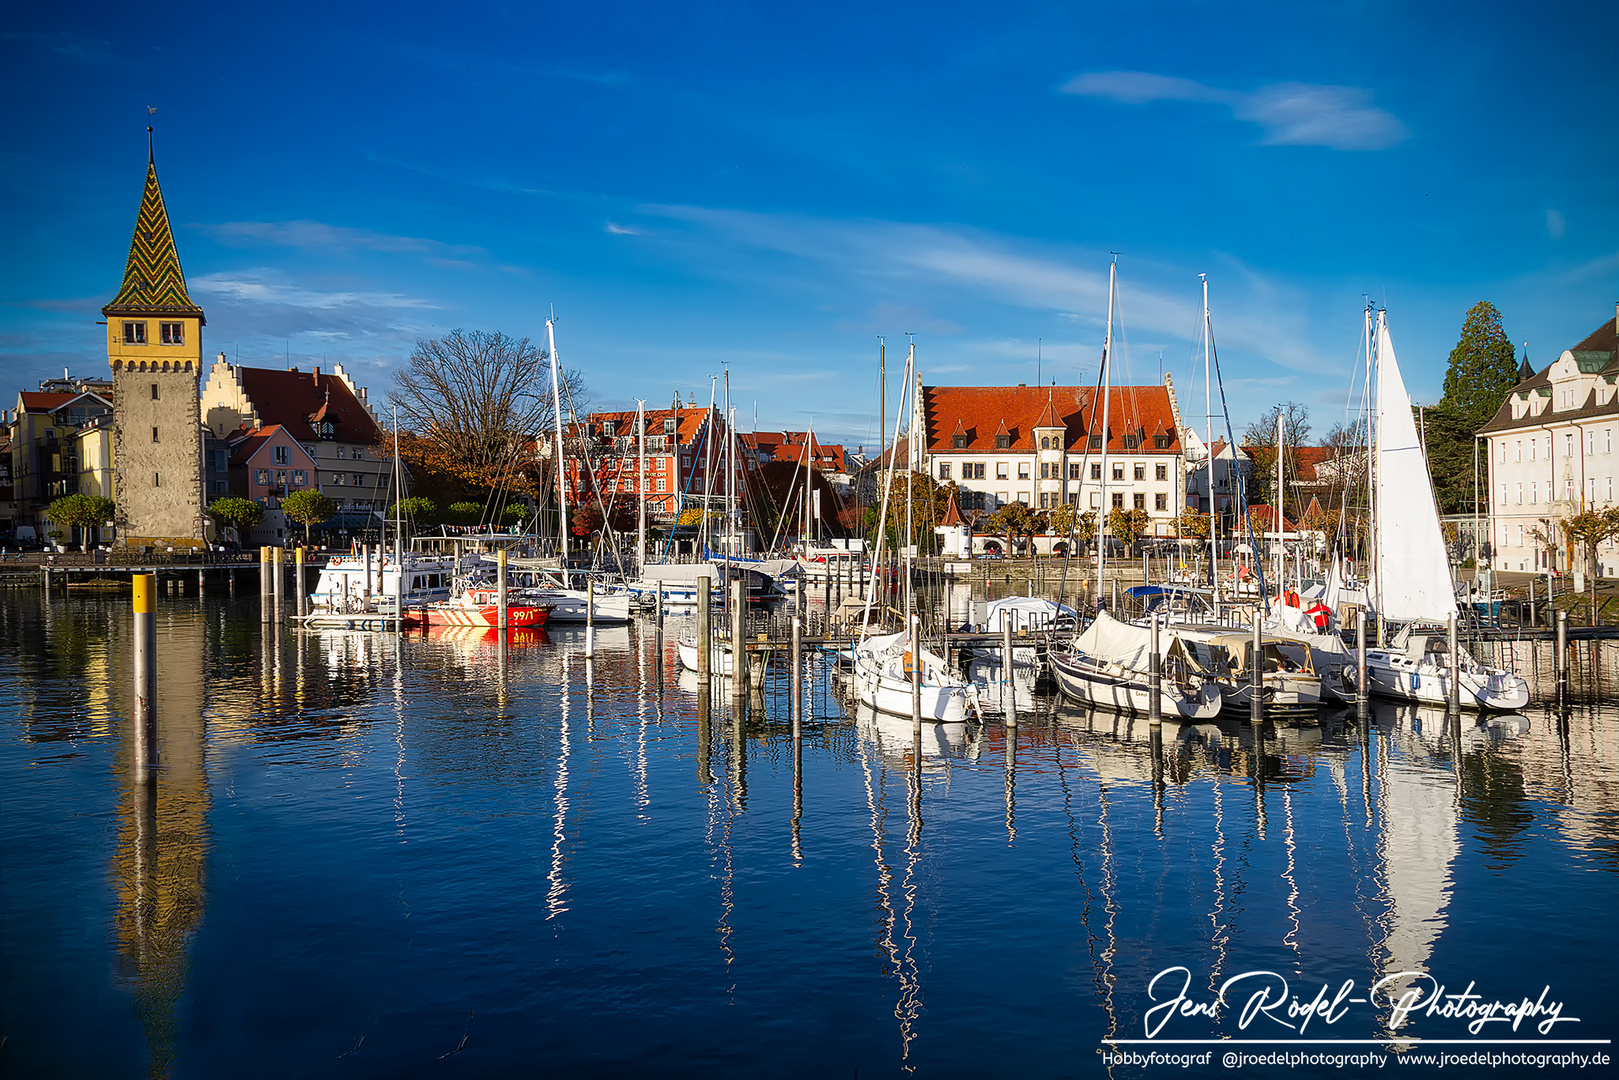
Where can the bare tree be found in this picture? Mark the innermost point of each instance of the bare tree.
(480, 399)
(1260, 442)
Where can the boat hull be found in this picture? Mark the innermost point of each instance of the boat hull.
(1082, 679)
(722, 663)
(487, 616)
(1399, 679)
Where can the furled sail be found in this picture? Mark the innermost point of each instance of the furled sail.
(1413, 573)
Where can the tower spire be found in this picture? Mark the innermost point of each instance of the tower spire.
(153, 283)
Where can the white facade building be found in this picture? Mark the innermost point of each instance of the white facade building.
(1552, 455)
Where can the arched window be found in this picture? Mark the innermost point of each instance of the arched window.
(1045, 442)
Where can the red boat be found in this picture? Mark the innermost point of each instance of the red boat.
(476, 607)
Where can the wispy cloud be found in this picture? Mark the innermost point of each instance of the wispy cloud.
(616, 229)
(956, 268)
(1291, 113)
(267, 287)
(1556, 224)
(317, 235)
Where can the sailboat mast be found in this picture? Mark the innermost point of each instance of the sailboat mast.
(640, 482)
(1281, 559)
(562, 463)
(1104, 511)
(708, 464)
(882, 399)
(1208, 449)
(910, 486)
(399, 532)
(1373, 440)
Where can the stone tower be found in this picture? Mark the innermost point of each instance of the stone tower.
(154, 344)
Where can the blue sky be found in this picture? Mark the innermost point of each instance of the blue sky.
(703, 187)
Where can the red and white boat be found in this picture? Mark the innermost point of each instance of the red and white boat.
(476, 607)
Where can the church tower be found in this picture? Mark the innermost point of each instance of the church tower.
(154, 344)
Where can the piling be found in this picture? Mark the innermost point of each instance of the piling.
(501, 592)
(298, 599)
(916, 680)
(280, 582)
(1155, 686)
(705, 638)
(796, 699)
(202, 582)
(739, 651)
(660, 606)
(1562, 653)
(1256, 675)
(1363, 692)
(145, 664)
(590, 617)
(1008, 690)
(266, 589)
(1453, 699)
(365, 578)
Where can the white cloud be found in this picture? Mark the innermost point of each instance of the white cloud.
(262, 288)
(616, 229)
(308, 235)
(1291, 114)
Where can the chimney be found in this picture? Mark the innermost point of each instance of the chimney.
(222, 359)
(362, 393)
(315, 371)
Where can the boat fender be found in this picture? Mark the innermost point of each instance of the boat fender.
(1416, 680)
(1349, 674)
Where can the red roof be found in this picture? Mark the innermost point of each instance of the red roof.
(39, 401)
(242, 451)
(980, 412)
(1259, 512)
(691, 422)
(301, 400)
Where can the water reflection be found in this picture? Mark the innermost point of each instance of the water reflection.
(159, 861)
(528, 770)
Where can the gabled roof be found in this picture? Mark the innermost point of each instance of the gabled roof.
(153, 284)
(952, 513)
(243, 449)
(40, 401)
(301, 401)
(623, 421)
(1598, 353)
(981, 412)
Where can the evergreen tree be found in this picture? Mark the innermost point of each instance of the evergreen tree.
(1482, 371)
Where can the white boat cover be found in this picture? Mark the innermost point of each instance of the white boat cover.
(1413, 572)
(1026, 612)
(1122, 643)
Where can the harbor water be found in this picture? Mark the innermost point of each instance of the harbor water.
(372, 855)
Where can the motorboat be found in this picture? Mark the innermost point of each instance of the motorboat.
(475, 607)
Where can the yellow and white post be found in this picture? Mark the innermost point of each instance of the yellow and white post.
(145, 656)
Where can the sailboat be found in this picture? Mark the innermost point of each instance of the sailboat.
(1410, 581)
(893, 673)
(1108, 666)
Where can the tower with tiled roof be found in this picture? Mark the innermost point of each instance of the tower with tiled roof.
(154, 345)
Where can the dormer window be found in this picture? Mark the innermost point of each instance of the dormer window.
(1161, 441)
(326, 429)
(1096, 441)
(1003, 441)
(669, 426)
(959, 442)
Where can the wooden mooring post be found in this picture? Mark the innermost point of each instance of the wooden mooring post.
(1008, 689)
(1256, 675)
(796, 699)
(705, 636)
(1155, 672)
(266, 589)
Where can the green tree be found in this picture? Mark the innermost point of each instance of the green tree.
(1482, 372)
(308, 508)
(463, 513)
(1013, 520)
(236, 513)
(82, 512)
(1086, 528)
(419, 510)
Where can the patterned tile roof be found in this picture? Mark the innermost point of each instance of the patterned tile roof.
(154, 284)
(979, 413)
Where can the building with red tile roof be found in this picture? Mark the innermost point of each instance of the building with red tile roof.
(1044, 445)
(681, 444)
(326, 413)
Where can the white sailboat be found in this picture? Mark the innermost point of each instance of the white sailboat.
(1410, 582)
(893, 673)
(1109, 667)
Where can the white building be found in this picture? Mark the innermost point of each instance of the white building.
(1042, 446)
(1552, 455)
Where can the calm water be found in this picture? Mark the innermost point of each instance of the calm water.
(381, 857)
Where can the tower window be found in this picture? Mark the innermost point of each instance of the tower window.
(154, 391)
(172, 333)
(154, 434)
(134, 333)
(157, 479)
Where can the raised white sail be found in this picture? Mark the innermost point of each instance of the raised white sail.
(1413, 574)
